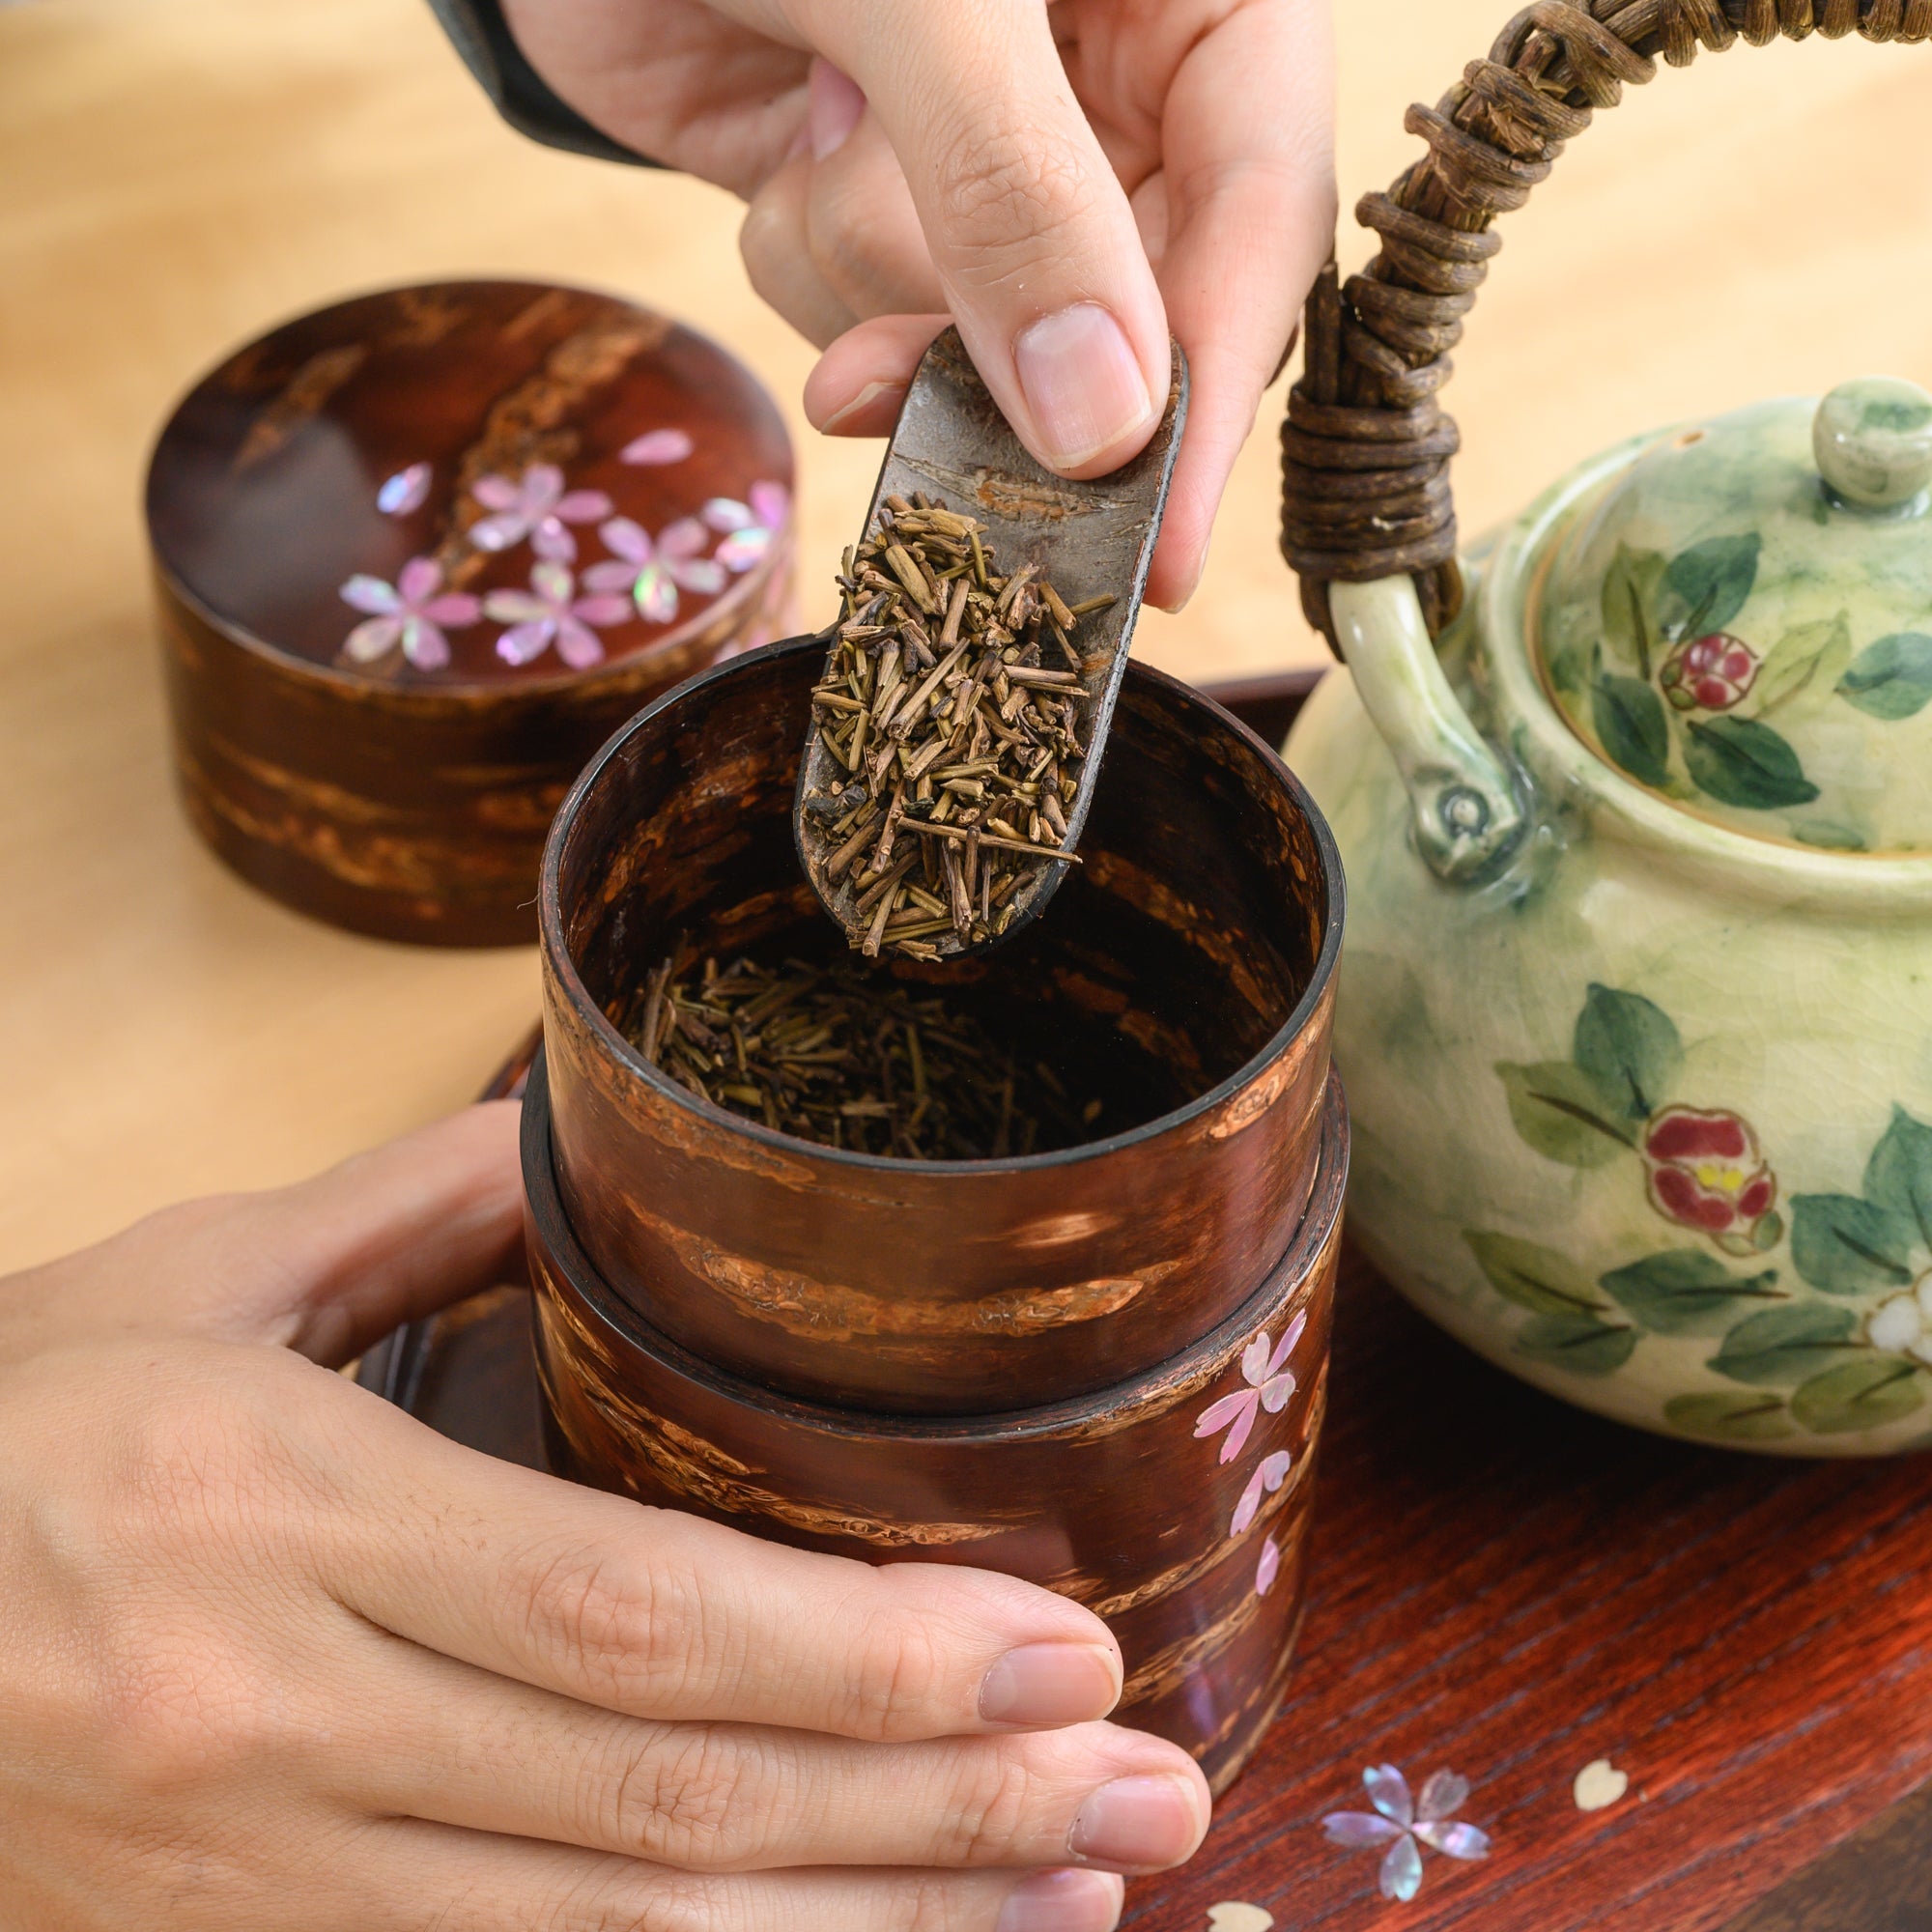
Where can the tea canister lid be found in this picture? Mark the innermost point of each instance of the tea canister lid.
(1740, 619)
(470, 483)
(419, 553)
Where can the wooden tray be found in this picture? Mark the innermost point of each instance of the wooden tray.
(1509, 1589)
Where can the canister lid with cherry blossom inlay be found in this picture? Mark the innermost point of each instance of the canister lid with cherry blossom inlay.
(1740, 619)
(420, 552)
(473, 482)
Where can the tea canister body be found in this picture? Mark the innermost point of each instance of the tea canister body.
(1194, 949)
(419, 553)
(1176, 1505)
(1647, 1118)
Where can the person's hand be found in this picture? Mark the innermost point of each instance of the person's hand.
(275, 1658)
(1068, 180)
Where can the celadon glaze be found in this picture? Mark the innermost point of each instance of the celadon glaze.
(1643, 1108)
(1738, 633)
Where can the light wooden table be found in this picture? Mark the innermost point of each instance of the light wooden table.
(174, 177)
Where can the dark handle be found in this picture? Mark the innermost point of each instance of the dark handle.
(1366, 447)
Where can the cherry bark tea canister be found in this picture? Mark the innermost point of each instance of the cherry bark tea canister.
(1100, 1365)
(1184, 977)
(1175, 1505)
(419, 553)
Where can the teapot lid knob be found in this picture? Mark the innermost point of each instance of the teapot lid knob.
(1873, 441)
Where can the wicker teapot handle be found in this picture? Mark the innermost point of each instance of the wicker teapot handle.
(1366, 447)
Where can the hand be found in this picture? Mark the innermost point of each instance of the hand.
(1068, 180)
(275, 1658)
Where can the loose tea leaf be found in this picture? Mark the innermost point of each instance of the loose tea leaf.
(951, 713)
(850, 1058)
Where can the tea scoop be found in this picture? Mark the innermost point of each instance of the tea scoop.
(934, 760)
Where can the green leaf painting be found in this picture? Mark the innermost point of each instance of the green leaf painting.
(1898, 1176)
(1534, 1277)
(1722, 1417)
(1783, 1347)
(1893, 678)
(1578, 1343)
(1847, 1246)
(1630, 593)
(1803, 665)
(1825, 1342)
(1628, 717)
(1628, 1048)
(1686, 1292)
(1860, 1395)
(1562, 1114)
(1742, 762)
(1706, 585)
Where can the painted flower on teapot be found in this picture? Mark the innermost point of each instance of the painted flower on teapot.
(1705, 1171)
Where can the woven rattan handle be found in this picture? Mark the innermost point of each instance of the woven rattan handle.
(1366, 447)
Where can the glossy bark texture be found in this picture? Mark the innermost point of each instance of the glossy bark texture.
(409, 795)
(1188, 962)
(1124, 1500)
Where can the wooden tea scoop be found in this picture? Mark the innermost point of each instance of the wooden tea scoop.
(904, 753)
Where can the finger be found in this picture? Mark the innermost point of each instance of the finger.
(326, 1267)
(413, 1875)
(833, 236)
(395, 1233)
(461, 1747)
(1248, 219)
(860, 381)
(1030, 230)
(861, 225)
(661, 1615)
(777, 251)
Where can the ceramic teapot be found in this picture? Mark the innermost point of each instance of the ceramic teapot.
(1635, 805)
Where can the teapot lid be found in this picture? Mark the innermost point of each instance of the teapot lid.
(1740, 619)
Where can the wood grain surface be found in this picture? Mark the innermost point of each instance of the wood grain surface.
(175, 176)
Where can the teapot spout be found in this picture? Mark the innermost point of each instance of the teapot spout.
(1469, 814)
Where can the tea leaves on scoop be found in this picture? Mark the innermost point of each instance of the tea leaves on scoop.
(951, 717)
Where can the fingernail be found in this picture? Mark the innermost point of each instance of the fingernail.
(1083, 383)
(864, 402)
(1063, 1901)
(1144, 1824)
(1051, 1684)
(834, 103)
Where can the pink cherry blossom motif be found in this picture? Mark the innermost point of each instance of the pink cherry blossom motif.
(413, 611)
(539, 508)
(1269, 1568)
(1271, 1473)
(657, 446)
(551, 612)
(748, 528)
(1269, 1385)
(651, 573)
(406, 491)
(1398, 1821)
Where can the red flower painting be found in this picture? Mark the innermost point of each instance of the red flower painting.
(1709, 674)
(1705, 1171)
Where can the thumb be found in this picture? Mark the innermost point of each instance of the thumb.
(1034, 242)
(326, 1267)
(388, 1235)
